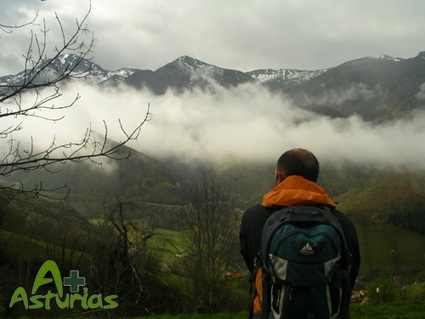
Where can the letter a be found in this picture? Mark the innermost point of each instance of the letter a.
(19, 295)
(51, 266)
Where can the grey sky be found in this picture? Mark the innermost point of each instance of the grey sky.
(236, 34)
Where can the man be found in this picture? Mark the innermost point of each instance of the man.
(295, 180)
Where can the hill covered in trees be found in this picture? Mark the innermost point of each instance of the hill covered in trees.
(389, 215)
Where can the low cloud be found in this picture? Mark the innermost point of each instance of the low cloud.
(246, 123)
(358, 91)
(421, 94)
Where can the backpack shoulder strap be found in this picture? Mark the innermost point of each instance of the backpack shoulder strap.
(253, 292)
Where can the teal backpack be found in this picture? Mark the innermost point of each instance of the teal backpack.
(305, 265)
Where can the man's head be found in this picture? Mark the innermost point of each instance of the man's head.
(297, 161)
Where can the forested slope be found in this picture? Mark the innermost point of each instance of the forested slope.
(389, 215)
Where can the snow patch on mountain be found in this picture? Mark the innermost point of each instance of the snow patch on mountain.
(125, 72)
(388, 58)
(64, 59)
(370, 60)
(268, 75)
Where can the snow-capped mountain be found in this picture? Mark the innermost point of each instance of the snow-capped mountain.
(78, 68)
(186, 73)
(186, 66)
(376, 88)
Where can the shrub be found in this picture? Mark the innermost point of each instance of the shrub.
(416, 291)
(383, 290)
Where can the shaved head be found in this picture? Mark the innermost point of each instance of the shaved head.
(300, 162)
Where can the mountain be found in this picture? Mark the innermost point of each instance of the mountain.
(82, 69)
(186, 73)
(374, 88)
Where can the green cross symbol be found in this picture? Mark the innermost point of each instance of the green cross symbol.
(74, 281)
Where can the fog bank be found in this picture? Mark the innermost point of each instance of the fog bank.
(246, 123)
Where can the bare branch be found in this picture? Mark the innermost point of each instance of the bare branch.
(8, 28)
(45, 91)
(34, 67)
(29, 160)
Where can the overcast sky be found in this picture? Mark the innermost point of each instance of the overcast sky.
(237, 34)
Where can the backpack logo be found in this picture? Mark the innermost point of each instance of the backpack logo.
(307, 250)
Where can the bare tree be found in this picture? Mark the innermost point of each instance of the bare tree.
(121, 263)
(46, 91)
(210, 232)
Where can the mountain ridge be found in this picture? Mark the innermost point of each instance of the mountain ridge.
(185, 60)
(375, 88)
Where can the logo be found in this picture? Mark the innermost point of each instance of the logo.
(307, 250)
(62, 300)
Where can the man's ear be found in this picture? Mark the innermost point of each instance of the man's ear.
(281, 176)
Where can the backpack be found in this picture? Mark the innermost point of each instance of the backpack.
(305, 265)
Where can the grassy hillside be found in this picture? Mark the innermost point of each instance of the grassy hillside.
(387, 242)
(42, 218)
(94, 187)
